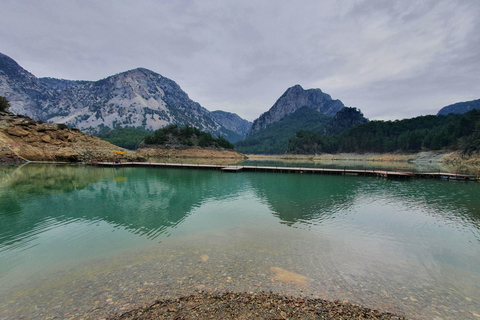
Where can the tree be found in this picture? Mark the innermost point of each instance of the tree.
(4, 104)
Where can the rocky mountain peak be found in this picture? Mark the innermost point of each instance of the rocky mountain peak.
(134, 98)
(293, 99)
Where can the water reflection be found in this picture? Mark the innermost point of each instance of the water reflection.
(350, 234)
(145, 201)
(296, 197)
(148, 201)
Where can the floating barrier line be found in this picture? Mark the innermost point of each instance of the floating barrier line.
(398, 173)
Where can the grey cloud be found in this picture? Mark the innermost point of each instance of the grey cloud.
(390, 58)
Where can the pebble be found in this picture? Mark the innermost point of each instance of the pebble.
(203, 258)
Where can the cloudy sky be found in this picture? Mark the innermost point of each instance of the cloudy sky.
(391, 59)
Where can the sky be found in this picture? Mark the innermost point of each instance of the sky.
(391, 59)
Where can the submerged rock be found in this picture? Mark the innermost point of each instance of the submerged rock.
(203, 258)
(288, 276)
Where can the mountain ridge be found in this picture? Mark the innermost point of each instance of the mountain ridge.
(460, 107)
(133, 98)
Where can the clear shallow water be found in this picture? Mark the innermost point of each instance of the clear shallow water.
(83, 240)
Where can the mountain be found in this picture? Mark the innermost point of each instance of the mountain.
(135, 98)
(292, 100)
(460, 107)
(297, 109)
(232, 122)
(27, 95)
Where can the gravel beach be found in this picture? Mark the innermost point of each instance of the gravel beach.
(251, 306)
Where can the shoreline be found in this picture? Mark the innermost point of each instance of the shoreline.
(383, 157)
(244, 305)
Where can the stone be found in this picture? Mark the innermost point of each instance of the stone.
(46, 138)
(288, 276)
(18, 132)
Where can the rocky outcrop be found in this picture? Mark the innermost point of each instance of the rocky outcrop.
(460, 107)
(292, 100)
(24, 139)
(135, 98)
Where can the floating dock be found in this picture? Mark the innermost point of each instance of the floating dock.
(396, 173)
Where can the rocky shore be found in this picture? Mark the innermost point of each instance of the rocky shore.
(23, 139)
(251, 306)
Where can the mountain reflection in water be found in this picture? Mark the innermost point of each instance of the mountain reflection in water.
(375, 239)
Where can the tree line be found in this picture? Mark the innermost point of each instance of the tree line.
(454, 131)
(186, 136)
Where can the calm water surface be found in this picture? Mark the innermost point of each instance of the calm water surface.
(81, 241)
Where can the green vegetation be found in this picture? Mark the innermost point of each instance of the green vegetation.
(455, 132)
(274, 139)
(4, 104)
(128, 137)
(186, 136)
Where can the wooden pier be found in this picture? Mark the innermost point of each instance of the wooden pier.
(396, 173)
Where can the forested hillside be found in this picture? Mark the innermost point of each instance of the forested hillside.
(128, 137)
(174, 136)
(455, 131)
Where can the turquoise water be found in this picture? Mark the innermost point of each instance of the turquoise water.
(90, 241)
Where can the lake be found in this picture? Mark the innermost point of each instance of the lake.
(89, 241)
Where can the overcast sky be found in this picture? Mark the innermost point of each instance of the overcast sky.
(391, 59)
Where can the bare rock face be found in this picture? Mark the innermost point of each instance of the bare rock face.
(23, 139)
(292, 100)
